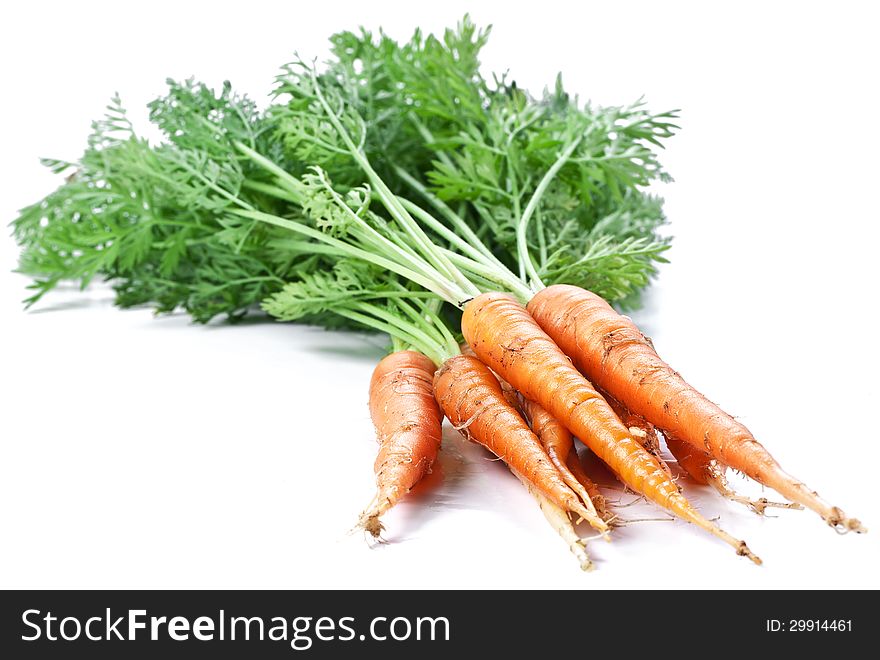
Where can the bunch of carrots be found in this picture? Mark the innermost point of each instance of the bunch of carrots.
(530, 424)
(486, 232)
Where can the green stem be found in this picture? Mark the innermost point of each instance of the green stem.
(432, 351)
(428, 137)
(409, 310)
(488, 220)
(428, 318)
(469, 237)
(411, 329)
(431, 309)
(272, 191)
(394, 207)
(445, 290)
(397, 247)
(507, 282)
(293, 184)
(542, 239)
(444, 231)
(342, 247)
(523, 271)
(525, 260)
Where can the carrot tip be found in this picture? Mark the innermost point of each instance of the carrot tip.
(369, 519)
(737, 544)
(592, 518)
(838, 521)
(373, 526)
(579, 550)
(743, 551)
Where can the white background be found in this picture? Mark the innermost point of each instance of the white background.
(142, 452)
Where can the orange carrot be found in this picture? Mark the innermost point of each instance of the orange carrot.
(640, 428)
(408, 427)
(614, 354)
(559, 445)
(599, 502)
(558, 517)
(507, 339)
(696, 463)
(704, 469)
(557, 442)
(472, 399)
(553, 437)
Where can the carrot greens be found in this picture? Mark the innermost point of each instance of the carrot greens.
(461, 154)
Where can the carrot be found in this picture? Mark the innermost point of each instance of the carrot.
(507, 339)
(408, 427)
(696, 463)
(558, 443)
(599, 502)
(614, 354)
(557, 517)
(704, 469)
(640, 428)
(553, 438)
(472, 399)
(561, 523)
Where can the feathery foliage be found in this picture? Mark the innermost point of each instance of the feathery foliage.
(175, 225)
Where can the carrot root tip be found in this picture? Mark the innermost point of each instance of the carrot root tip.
(737, 544)
(743, 551)
(373, 526)
(579, 550)
(591, 517)
(843, 525)
(369, 520)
